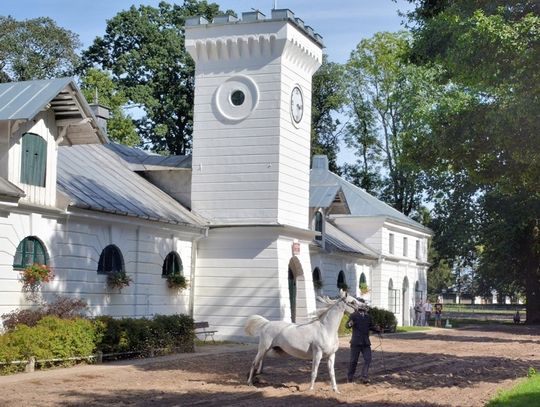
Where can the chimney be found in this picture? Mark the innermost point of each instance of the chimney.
(102, 115)
(320, 162)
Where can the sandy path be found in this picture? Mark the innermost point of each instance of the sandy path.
(442, 367)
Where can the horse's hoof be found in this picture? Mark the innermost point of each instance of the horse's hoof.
(337, 391)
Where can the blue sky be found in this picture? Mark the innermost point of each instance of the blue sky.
(342, 23)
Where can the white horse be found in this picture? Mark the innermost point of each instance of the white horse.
(312, 340)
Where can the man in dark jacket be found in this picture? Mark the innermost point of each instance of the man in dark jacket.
(361, 324)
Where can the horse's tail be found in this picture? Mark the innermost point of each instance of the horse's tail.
(254, 324)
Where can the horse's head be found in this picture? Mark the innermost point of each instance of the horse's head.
(351, 304)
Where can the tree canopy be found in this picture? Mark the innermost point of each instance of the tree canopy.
(328, 98)
(490, 131)
(96, 84)
(390, 102)
(36, 49)
(143, 48)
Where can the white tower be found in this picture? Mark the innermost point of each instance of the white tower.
(251, 157)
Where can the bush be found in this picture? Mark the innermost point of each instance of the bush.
(166, 332)
(380, 317)
(383, 318)
(61, 307)
(50, 338)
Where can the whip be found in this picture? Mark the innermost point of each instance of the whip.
(382, 352)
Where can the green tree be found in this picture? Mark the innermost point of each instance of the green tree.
(328, 98)
(36, 49)
(490, 50)
(143, 48)
(96, 84)
(390, 103)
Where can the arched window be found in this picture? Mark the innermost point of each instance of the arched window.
(30, 251)
(33, 159)
(362, 284)
(417, 292)
(317, 280)
(393, 298)
(363, 278)
(111, 260)
(318, 224)
(172, 265)
(341, 282)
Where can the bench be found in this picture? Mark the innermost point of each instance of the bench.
(203, 330)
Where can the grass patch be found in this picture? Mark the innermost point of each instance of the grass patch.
(468, 309)
(525, 394)
(412, 328)
(460, 322)
(209, 342)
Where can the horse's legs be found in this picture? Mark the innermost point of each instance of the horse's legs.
(263, 348)
(331, 360)
(317, 356)
(260, 368)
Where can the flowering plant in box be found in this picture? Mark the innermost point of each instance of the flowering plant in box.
(118, 279)
(32, 276)
(364, 289)
(177, 281)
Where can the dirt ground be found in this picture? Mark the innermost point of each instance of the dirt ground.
(441, 367)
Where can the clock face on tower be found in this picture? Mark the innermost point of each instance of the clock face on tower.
(297, 105)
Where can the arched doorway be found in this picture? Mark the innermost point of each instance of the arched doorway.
(292, 294)
(317, 281)
(405, 301)
(341, 281)
(295, 277)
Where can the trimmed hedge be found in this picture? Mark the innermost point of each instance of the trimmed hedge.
(386, 319)
(168, 333)
(50, 338)
(56, 338)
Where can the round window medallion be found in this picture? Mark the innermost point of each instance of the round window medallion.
(236, 98)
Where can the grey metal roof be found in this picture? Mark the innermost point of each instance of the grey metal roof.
(9, 189)
(338, 240)
(322, 196)
(24, 100)
(141, 160)
(96, 178)
(360, 203)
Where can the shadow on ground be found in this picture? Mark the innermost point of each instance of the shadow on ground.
(163, 399)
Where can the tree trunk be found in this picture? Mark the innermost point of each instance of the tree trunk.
(532, 290)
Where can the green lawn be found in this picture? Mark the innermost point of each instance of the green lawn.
(525, 394)
(412, 328)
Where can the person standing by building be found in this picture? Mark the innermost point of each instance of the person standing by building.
(361, 323)
(417, 312)
(438, 314)
(428, 309)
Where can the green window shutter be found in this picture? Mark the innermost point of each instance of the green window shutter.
(33, 160)
(29, 251)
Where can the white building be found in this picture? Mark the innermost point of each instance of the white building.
(243, 218)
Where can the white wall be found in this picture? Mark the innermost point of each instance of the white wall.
(74, 246)
(44, 125)
(243, 271)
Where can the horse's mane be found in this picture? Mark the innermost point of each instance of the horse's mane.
(322, 311)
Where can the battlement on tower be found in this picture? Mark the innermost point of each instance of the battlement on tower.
(228, 38)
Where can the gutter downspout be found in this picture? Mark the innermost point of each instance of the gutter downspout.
(194, 244)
